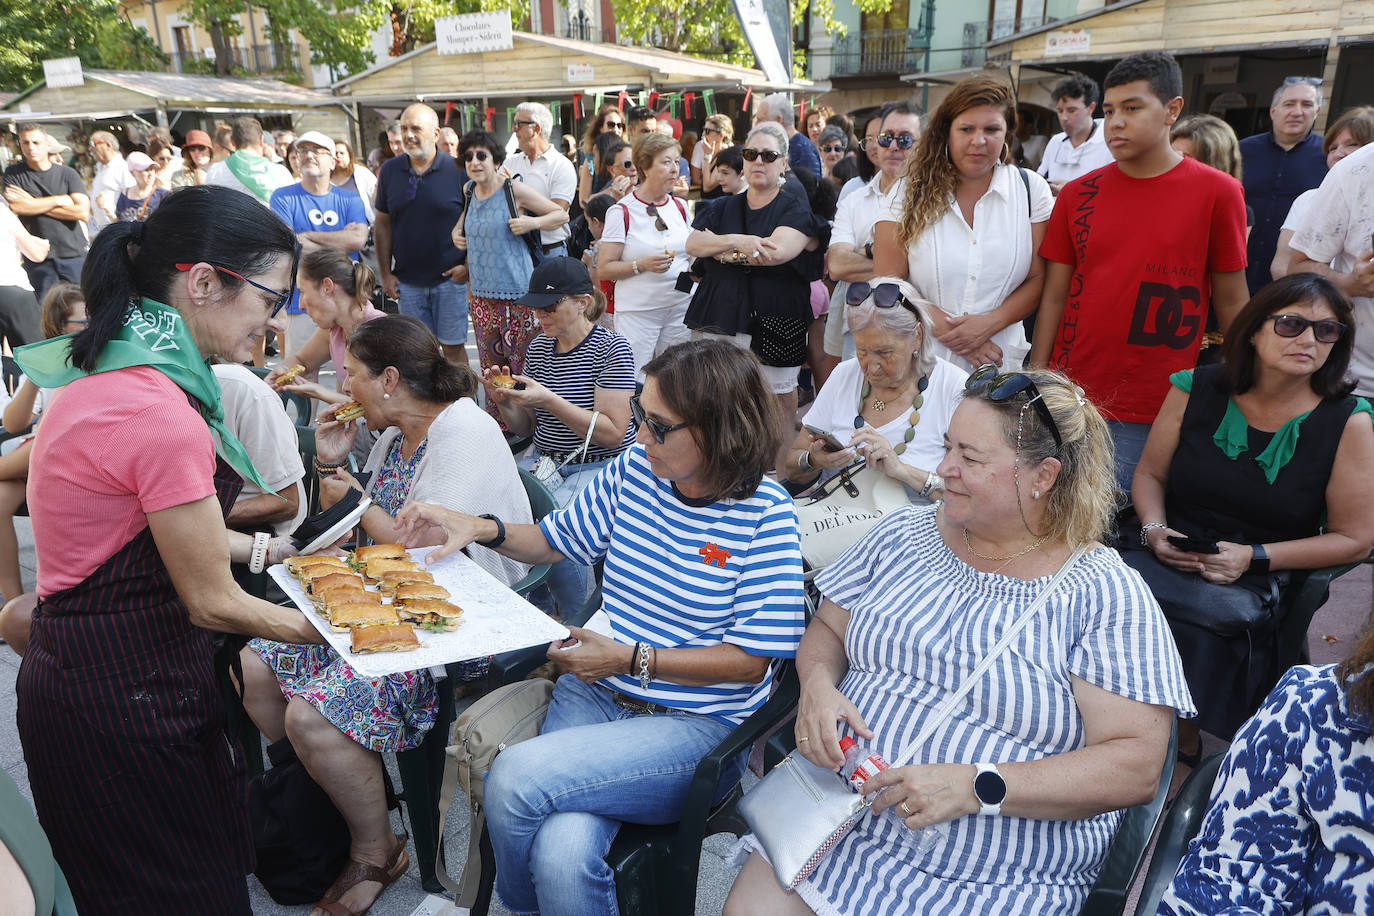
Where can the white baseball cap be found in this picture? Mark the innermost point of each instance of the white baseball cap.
(315, 138)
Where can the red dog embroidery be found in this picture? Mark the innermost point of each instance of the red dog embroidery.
(713, 554)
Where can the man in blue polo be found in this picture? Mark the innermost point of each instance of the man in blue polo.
(419, 200)
(320, 214)
(1277, 166)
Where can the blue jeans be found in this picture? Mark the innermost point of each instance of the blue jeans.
(1129, 439)
(565, 592)
(443, 308)
(554, 803)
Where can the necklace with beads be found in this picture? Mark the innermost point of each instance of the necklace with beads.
(1005, 561)
(880, 405)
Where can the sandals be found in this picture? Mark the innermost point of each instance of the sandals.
(355, 873)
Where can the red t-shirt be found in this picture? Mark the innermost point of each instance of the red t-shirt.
(112, 448)
(1142, 250)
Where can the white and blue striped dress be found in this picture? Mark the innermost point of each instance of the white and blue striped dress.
(921, 620)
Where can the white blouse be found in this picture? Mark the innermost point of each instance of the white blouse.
(971, 270)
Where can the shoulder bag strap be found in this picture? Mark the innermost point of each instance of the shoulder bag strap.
(581, 454)
(946, 708)
(1025, 181)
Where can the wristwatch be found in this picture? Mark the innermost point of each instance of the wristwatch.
(500, 533)
(868, 250)
(1259, 563)
(989, 788)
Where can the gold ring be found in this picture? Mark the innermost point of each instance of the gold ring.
(802, 738)
(906, 810)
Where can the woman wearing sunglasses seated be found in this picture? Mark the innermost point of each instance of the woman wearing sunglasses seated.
(967, 228)
(499, 262)
(890, 404)
(1069, 724)
(1262, 462)
(702, 592)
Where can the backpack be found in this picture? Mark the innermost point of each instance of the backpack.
(506, 716)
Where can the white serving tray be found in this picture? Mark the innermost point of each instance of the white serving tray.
(495, 620)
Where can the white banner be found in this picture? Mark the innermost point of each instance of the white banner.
(1067, 41)
(472, 33)
(581, 73)
(63, 73)
(758, 31)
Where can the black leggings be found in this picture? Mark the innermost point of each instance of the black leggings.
(19, 319)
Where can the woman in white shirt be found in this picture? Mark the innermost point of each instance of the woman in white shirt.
(18, 307)
(644, 252)
(967, 230)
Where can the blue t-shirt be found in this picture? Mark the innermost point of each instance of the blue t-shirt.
(306, 212)
(423, 211)
(802, 153)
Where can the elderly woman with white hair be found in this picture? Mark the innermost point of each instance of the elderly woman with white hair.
(757, 253)
(891, 403)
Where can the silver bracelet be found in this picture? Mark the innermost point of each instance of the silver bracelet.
(933, 482)
(1145, 532)
(804, 462)
(644, 676)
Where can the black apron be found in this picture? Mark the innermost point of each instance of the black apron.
(122, 722)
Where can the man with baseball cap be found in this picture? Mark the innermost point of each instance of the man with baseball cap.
(321, 214)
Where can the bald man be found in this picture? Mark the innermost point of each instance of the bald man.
(419, 200)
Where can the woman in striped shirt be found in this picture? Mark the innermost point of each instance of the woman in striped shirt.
(702, 592)
(1069, 724)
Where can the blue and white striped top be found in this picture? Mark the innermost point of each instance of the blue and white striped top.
(920, 621)
(603, 359)
(684, 576)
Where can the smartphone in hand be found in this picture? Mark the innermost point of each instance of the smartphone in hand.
(1193, 545)
(831, 443)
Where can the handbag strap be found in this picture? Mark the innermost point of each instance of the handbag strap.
(581, 454)
(946, 709)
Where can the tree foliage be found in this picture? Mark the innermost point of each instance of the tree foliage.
(92, 30)
(709, 28)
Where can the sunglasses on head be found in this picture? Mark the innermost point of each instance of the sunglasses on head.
(904, 141)
(767, 155)
(1295, 80)
(1325, 330)
(480, 155)
(832, 149)
(885, 296)
(1004, 387)
(659, 429)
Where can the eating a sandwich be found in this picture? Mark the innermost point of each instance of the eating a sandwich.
(346, 412)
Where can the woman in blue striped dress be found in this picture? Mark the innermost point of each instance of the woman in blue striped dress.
(702, 592)
(1068, 726)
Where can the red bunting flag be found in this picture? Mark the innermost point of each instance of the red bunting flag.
(748, 94)
(687, 100)
(490, 112)
(623, 98)
(448, 109)
(577, 104)
(653, 99)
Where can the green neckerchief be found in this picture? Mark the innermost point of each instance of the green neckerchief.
(153, 335)
(1233, 432)
(254, 172)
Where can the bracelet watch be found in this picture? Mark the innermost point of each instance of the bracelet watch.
(1259, 563)
(989, 788)
(1145, 532)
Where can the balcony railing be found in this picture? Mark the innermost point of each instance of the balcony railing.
(981, 31)
(251, 59)
(879, 51)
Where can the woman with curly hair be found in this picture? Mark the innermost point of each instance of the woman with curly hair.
(966, 229)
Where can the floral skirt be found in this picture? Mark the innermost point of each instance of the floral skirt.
(390, 713)
(503, 329)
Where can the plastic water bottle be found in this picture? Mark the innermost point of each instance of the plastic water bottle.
(860, 765)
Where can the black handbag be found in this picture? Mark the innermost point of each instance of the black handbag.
(300, 838)
(1250, 603)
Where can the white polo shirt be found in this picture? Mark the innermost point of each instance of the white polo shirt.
(1064, 162)
(552, 175)
(111, 179)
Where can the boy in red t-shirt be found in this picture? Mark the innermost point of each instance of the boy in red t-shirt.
(1135, 252)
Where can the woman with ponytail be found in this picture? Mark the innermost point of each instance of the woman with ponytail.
(134, 778)
(437, 445)
(336, 292)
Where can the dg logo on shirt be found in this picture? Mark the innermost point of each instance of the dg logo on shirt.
(1166, 316)
(328, 218)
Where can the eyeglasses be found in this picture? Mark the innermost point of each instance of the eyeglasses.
(520, 124)
(885, 296)
(480, 155)
(659, 224)
(903, 140)
(1005, 387)
(863, 144)
(657, 427)
(1295, 80)
(308, 151)
(767, 155)
(280, 298)
(1325, 330)
(832, 149)
(711, 130)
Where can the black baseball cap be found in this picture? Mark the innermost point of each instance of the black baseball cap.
(555, 278)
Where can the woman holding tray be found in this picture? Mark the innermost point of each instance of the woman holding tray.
(432, 435)
(702, 590)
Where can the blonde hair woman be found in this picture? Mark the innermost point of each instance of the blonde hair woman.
(716, 134)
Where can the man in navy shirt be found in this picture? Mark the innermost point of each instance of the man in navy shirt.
(1277, 166)
(419, 200)
(801, 152)
(320, 214)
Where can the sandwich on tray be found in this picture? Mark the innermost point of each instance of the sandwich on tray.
(432, 614)
(391, 638)
(346, 616)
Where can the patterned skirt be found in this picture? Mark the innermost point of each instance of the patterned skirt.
(390, 713)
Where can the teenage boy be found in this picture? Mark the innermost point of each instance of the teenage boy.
(1136, 252)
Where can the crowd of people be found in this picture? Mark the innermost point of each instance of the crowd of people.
(694, 342)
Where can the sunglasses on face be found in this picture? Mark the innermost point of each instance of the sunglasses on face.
(480, 155)
(885, 296)
(711, 130)
(832, 149)
(279, 298)
(627, 164)
(659, 429)
(1005, 387)
(904, 141)
(616, 126)
(767, 155)
(520, 124)
(1325, 330)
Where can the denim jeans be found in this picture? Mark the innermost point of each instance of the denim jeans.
(1129, 439)
(565, 592)
(554, 803)
(442, 307)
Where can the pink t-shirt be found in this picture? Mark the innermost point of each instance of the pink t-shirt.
(338, 343)
(112, 448)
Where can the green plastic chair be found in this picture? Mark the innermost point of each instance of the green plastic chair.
(541, 504)
(300, 408)
(22, 835)
(1180, 826)
(305, 442)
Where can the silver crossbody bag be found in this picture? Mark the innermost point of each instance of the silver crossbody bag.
(799, 811)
